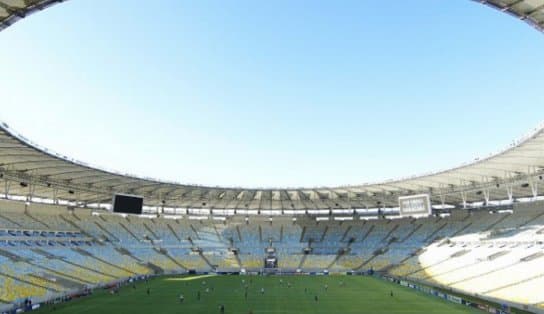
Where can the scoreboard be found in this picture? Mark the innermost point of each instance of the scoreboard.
(128, 204)
(415, 205)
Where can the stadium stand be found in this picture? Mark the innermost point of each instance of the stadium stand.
(51, 252)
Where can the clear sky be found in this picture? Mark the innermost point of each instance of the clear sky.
(272, 93)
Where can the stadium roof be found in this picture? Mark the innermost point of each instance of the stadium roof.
(530, 11)
(32, 171)
(13, 10)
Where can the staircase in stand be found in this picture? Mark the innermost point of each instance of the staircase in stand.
(156, 269)
(366, 262)
(206, 260)
(165, 253)
(238, 261)
(239, 233)
(390, 233)
(37, 220)
(302, 234)
(411, 233)
(458, 232)
(10, 220)
(73, 224)
(109, 234)
(367, 233)
(531, 220)
(457, 254)
(61, 274)
(28, 282)
(338, 256)
(345, 234)
(518, 282)
(324, 234)
(496, 222)
(88, 269)
(173, 232)
(151, 231)
(196, 233)
(302, 260)
(85, 253)
(434, 233)
(128, 230)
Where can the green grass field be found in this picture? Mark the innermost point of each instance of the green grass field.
(358, 295)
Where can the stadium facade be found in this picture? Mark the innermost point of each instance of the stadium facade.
(487, 222)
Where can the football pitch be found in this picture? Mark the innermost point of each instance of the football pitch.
(282, 294)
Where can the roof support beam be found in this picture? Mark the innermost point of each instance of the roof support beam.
(40, 160)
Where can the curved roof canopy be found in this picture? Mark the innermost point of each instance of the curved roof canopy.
(30, 170)
(13, 10)
(35, 172)
(530, 11)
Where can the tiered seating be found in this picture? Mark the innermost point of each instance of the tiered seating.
(498, 274)
(318, 261)
(452, 226)
(14, 290)
(408, 267)
(222, 259)
(208, 238)
(149, 255)
(332, 239)
(252, 260)
(188, 259)
(62, 268)
(496, 255)
(249, 233)
(428, 227)
(382, 229)
(378, 263)
(314, 232)
(506, 265)
(114, 225)
(348, 262)
(290, 261)
(54, 222)
(21, 220)
(112, 256)
(165, 229)
(404, 228)
(137, 226)
(5, 223)
(89, 226)
(357, 231)
(291, 233)
(270, 231)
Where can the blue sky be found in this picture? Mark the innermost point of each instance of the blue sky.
(277, 93)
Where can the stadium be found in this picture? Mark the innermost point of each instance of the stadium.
(78, 238)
